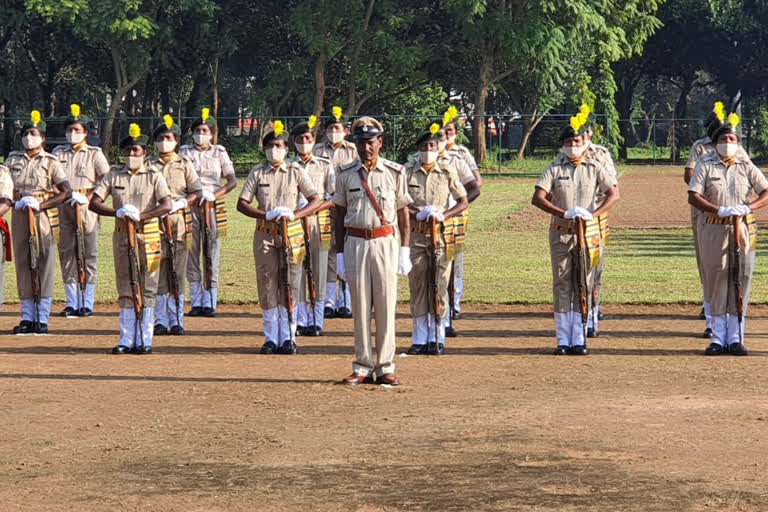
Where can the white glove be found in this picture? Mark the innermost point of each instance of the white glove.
(439, 217)
(271, 214)
(341, 268)
(78, 198)
(20, 204)
(302, 201)
(328, 196)
(284, 211)
(570, 214)
(207, 195)
(179, 204)
(129, 211)
(404, 266)
(422, 215)
(583, 213)
(728, 211)
(31, 202)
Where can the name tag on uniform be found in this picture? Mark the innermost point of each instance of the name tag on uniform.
(354, 190)
(563, 177)
(714, 179)
(118, 187)
(414, 186)
(263, 185)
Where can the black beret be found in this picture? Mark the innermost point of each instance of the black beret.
(163, 127)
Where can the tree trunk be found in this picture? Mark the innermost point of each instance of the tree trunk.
(352, 104)
(124, 84)
(320, 64)
(528, 126)
(681, 109)
(481, 96)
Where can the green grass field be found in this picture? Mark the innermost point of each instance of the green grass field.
(507, 259)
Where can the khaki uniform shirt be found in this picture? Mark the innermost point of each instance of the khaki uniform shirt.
(730, 186)
(182, 180)
(388, 184)
(84, 167)
(6, 184)
(464, 153)
(35, 175)
(699, 148)
(436, 187)
(344, 155)
(277, 187)
(212, 164)
(320, 171)
(575, 186)
(145, 189)
(604, 158)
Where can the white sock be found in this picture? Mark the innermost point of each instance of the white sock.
(563, 329)
(72, 293)
(708, 314)
(161, 308)
(271, 324)
(147, 325)
(195, 294)
(214, 297)
(719, 329)
(317, 319)
(732, 328)
(127, 327)
(45, 310)
(287, 331)
(28, 310)
(300, 312)
(330, 295)
(458, 292)
(577, 330)
(172, 313)
(90, 292)
(419, 334)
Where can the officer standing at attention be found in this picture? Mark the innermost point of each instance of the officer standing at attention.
(722, 187)
(324, 180)
(84, 166)
(341, 153)
(213, 165)
(139, 195)
(371, 200)
(184, 185)
(39, 186)
(434, 186)
(567, 190)
(276, 185)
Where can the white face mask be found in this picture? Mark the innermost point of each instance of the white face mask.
(727, 150)
(201, 139)
(428, 157)
(165, 146)
(134, 162)
(304, 149)
(451, 139)
(573, 152)
(275, 155)
(31, 141)
(335, 137)
(75, 137)
(441, 145)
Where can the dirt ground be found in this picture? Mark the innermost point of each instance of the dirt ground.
(645, 422)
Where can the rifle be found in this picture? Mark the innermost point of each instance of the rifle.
(34, 260)
(736, 271)
(308, 270)
(135, 279)
(173, 278)
(80, 252)
(434, 277)
(581, 272)
(284, 271)
(449, 331)
(207, 251)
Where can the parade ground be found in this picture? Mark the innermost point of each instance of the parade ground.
(206, 423)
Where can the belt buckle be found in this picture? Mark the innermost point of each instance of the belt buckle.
(368, 232)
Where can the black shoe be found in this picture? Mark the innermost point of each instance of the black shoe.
(343, 313)
(702, 316)
(456, 315)
(600, 315)
(176, 330)
(41, 328)
(160, 330)
(562, 350)
(121, 349)
(268, 347)
(713, 350)
(737, 349)
(209, 312)
(85, 312)
(450, 332)
(287, 348)
(195, 311)
(435, 349)
(68, 312)
(578, 350)
(313, 331)
(416, 350)
(329, 312)
(142, 350)
(591, 333)
(707, 333)
(24, 327)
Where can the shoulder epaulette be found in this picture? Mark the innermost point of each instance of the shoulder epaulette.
(186, 147)
(16, 153)
(350, 166)
(389, 164)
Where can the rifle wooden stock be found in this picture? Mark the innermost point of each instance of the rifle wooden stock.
(207, 247)
(435, 231)
(308, 262)
(34, 254)
(172, 276)
(738, 289)
(582, 277)
(134, 275)
(80, 247)
(286, 277)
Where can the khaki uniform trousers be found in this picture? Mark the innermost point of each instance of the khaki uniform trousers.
(267, 254)
(194, 261)
(715, 265)
(319, 262)
(695, 220)
(372, 277)
(68, 244)
(46, 263)
(179, 263)
(149, 280)
(564, 282)
(419, 278)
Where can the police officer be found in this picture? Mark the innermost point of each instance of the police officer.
(722, 187)
(567, 190)
(184, 185)
(434, 186)
(39, 186)
(84, 166)
(341, 153)
(319, 169)
(372, 200)
(276, 185)
(6, 201)
(141, 196)
(217, 176)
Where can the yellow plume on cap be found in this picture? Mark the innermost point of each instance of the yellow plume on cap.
(134, 131)
(279, 128)
(434, 128)
(74, 109)
(312, 122)
(719, 111)
(733, 119)
(35, 117)
(575, 124)
(206, 113)
(336, 112)
(168, 120)
(585, 110)
(450, 115)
